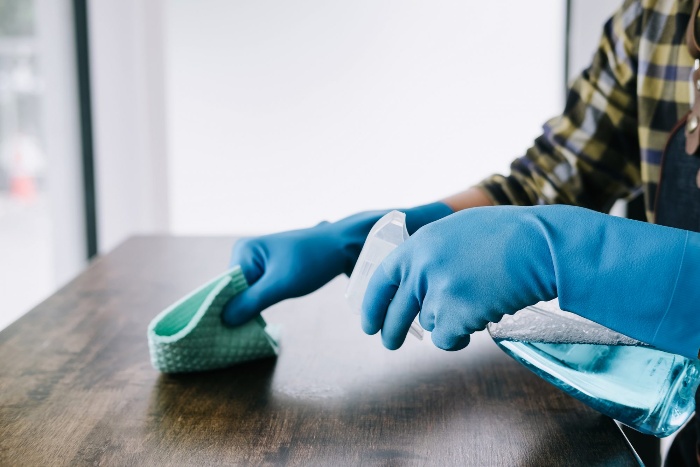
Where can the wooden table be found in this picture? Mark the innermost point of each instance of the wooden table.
(77, 388)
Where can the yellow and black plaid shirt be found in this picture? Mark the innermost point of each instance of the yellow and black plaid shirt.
(619, 112)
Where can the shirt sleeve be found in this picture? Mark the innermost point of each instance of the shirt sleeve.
(589, 155)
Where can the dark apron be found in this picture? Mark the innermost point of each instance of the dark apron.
(677, 204)
(678, 192)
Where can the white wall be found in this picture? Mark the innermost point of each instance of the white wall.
(285, 113)
(127, 73)
(587, 19)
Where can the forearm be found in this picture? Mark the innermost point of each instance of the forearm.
(471, 198)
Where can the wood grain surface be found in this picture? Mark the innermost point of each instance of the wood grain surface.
(77, 388)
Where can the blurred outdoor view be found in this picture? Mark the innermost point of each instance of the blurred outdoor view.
(25, 242)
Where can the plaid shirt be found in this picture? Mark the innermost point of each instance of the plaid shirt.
(619, 112)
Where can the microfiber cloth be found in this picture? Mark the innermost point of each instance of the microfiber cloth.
(190, 336)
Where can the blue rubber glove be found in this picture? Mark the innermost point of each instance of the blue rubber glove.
(296, 263)
(474, 266)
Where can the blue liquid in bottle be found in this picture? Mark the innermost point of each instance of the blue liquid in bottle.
(647, 389)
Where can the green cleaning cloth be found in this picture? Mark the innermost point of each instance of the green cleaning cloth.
(190, 336)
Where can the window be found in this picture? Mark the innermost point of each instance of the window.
(39, 154)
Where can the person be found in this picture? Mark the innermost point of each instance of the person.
(630, 126)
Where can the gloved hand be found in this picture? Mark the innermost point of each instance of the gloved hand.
(295, 263)
(473, 267)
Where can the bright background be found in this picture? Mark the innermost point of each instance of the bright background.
(285, 113)
(215, 117)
